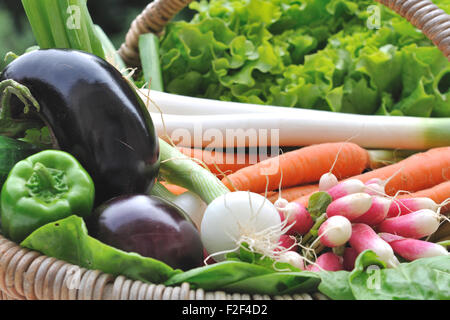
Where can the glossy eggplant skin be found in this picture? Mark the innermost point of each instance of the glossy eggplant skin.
(94, 114)
(151, 227)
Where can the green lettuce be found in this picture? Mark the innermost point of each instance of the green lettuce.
(315, 54)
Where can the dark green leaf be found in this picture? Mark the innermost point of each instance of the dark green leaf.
(423, 279)
(219, 275)
(335, 285)
(68, 240)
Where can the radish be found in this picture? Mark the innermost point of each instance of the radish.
(281, 203)
(413, 249)
(345, 188)
(293, 258)
(404, 206)
(415, 225)
(374, 189)
(238, 217)
(287, 242)
(377, 212)
(350, 256)
(351, 206)
(377, 186)
(389, 237)
(327, 262)
(365, 238)
(298, 218)
(327, 181)
(335, 231)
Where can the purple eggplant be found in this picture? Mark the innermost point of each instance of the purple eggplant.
(94, 114)
(151, 227)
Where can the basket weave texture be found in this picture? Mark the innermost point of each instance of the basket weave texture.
(29, 275)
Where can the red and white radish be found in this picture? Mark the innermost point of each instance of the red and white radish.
(327, 181)
(238, 217)
(375, 187)
(298, 219)
(377, 212)
(404, 206)
(389, 237)
(365, 238)
(351, 206)
(287, 242)
(350, 256)
(327, 262)
(293, 258)
(335, 231)
(415, 225)
(345, 188)
(281, 203)
(413, 249)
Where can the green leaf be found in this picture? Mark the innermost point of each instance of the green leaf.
(335, 285)
(278, 283)
(38, 137)
(318, 203)
(219, 275)
(69, 241)
(423, 279)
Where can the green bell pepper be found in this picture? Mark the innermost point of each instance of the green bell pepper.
(43, 188)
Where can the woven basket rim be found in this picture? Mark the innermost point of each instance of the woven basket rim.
(30, 275)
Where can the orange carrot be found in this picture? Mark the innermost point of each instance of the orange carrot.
(418, 172)
(293, 193)
(219, 163)
(302, 166)
(177, 190)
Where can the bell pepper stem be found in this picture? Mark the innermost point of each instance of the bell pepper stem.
(45, 177)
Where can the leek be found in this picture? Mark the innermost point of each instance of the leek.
(149, 53)
(63, 24)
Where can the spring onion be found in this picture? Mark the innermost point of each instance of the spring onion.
(178, 169)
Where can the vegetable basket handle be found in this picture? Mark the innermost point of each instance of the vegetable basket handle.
(423, 14)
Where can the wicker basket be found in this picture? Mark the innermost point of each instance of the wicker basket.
(29, 275)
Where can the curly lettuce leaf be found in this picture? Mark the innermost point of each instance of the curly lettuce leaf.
(315, 54)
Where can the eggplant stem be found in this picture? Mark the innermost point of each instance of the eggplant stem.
(10, 55)
(10, 87)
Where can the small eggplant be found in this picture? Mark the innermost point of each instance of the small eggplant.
(94, 114)
(151, 227)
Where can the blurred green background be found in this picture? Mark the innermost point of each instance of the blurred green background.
(114, 16)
